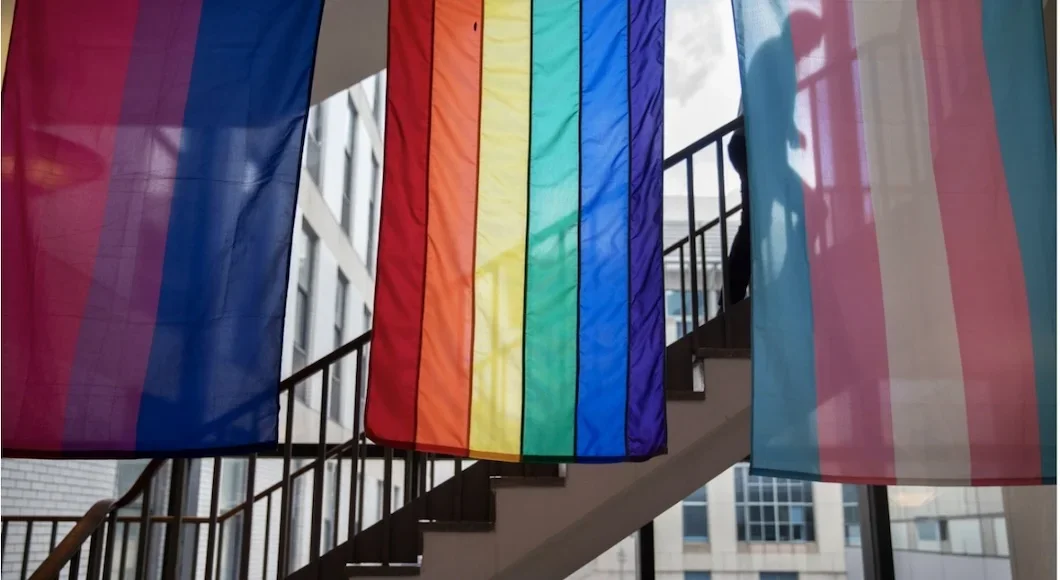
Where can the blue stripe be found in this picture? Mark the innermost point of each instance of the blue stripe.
(1014, 47)
(784, 390)
(603, 299)
(213, 376)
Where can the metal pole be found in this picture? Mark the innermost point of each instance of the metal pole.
(646, 551)
(877, 553)
(723, 225)
(689, 178)
(248, 519)
(175, 511)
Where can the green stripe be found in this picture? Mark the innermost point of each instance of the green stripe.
(552, 254)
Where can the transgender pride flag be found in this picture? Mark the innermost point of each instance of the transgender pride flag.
(150, 165)
(903, 185)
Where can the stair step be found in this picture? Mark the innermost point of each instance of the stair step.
(455, 526)
(379, 570)
(672, 395)
(712, 352)
(523, 481)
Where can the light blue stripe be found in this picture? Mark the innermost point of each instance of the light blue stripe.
(603, 299)
(1014, 46)
(784, 390)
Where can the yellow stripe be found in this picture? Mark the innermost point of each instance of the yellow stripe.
(500, 237)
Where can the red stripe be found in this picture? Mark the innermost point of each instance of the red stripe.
(986, 273)
(400, 282)
(61, 102)
(116, 335)
(850, 341)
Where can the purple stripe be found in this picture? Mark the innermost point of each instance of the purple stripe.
(114, 344)
(646, 402)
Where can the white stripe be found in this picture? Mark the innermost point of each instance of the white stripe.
(928, 409)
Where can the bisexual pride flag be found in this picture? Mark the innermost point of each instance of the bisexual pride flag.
(150, 168)
(903, 186)
(519, 300)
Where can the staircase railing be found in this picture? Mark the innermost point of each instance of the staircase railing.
(260, 532)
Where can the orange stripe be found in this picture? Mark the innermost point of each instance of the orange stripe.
(445, 359)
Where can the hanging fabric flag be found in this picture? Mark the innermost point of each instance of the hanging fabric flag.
(903, 186)
(150, 167)
(519, 301)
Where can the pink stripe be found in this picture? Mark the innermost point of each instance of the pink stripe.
(989, 295)
(116, 336)
(62, 99)
(854, 420)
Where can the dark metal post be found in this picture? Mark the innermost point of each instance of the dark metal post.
(317, 516)
(388, 486)
(877, 554)
(286, 489)
(144, 535)
(723, 225)
(211, 528)
(646, 551)
(248, 519)
(692, 243)
(175, 511)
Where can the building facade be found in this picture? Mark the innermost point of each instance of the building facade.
(745, 527)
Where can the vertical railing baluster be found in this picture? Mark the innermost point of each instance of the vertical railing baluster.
(285, 490)
(248, 518)
(705, 292)
(25, 549)
(268, 525)
(681, 272)
(354, 512)
(361, 485)
(318, 471)
(75, 565)
(388, 485)
(335, 503)
(3, 540)
(123, 562)
(95, 553)
(197, 526)
(54, 536)
(690, 178)
(108, 555)
(408, 474)
(211, 527)
(723, 224)
(175, 511)
(144, 537)
(220, 547)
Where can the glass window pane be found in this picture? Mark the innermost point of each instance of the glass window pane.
(695, 522)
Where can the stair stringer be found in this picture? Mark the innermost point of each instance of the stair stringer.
(550, 532)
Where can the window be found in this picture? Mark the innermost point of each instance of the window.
(372, 197)
(851, 518)
(931, 530)
(694, 516)
(778, 576)
(673, 310)
(335, 394)
(304, 303)
(314, 144)
(697, 575)
(347, 172)
(772, 510)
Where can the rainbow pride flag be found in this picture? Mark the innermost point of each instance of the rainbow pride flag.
(903, 186)
(150, 168)
(519, 300)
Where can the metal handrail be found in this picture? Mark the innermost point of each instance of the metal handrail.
(90, 523)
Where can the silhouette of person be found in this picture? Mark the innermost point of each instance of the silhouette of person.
(774, 91)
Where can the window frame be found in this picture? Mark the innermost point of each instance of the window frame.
(773, 510)
(694, 503)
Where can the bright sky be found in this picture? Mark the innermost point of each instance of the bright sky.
(702, 94)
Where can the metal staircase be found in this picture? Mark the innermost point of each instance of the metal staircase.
(445, 503)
